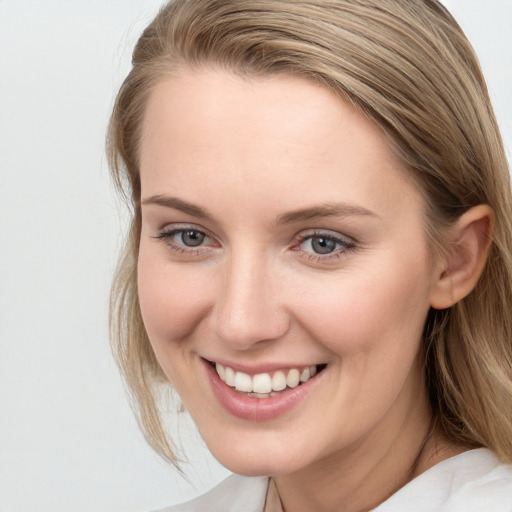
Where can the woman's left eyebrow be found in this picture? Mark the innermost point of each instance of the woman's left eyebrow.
(324, 210)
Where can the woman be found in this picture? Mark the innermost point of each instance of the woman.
(320, 257)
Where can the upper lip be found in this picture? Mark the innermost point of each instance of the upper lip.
(263, 367)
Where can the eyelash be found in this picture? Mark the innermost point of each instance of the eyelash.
(346, 245)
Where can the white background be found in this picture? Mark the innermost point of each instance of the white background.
(68, 442)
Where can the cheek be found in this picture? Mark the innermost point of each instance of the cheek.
(172, 300)
(382, 310)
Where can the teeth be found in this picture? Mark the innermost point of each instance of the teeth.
(264, 385)
(243, 382)
(230, 376)
(305, 375)
(278, 381)
(293, 378)
(261, 395)
(221, 371)
(261, 383)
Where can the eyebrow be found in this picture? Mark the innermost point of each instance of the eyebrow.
(178, 204)
(317, 211)
(325, 210)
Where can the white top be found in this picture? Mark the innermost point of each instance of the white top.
(474, 481)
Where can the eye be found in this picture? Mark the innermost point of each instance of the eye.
(186, 240)
(190, 237)
(320, 244)
(323, 245)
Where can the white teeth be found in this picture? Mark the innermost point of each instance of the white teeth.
(305, 375)
(230, 376)
(221, 371)
(263, 385)
(278, 381)
(243, 382)
(293, 378)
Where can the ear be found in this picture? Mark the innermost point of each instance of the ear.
(469, 241)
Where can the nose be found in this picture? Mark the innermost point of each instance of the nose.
(249, 308)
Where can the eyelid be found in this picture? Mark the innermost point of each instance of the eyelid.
(327, 233)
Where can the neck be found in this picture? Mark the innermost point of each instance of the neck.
(362, 476)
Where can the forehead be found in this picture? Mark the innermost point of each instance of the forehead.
(200, 101)
(210, 129)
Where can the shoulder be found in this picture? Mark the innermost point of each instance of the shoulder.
(488, 485)
(470, 482)
(233, 494)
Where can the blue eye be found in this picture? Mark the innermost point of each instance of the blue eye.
(190, 237)
(186, 240)
(324, 244)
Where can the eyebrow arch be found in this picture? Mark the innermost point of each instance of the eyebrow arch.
(324, 210)
(177, 204)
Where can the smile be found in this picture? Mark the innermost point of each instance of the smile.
(265, 395)
(265, 385)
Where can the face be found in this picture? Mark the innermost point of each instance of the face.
(284, 271)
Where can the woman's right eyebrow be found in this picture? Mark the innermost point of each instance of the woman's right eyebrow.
(177, 204)
(339, 209)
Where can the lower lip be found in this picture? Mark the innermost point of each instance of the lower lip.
(257, 409)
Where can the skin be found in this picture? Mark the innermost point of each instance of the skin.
(247, 152)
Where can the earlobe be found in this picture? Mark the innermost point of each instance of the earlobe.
(469, 244)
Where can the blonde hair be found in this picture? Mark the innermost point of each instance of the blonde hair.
(408, 66)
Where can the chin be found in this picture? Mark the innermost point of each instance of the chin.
(255, 458)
